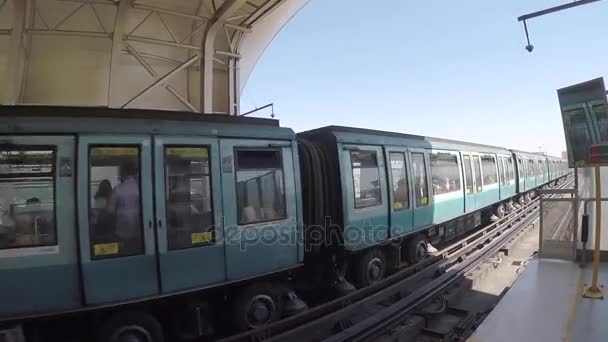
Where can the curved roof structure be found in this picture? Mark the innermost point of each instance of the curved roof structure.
(193, 55)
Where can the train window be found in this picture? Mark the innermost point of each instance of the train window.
(511, 172)
(489, 169)
(468, 174)
(501, 171)
(445, 173)
(400, 187)
(366, 179)
(27, 200)
(521, 168)
(188, 197)
(421, 191)
(260, 186)
(477, 166)
(115, 218)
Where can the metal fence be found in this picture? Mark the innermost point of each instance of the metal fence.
(559, 216)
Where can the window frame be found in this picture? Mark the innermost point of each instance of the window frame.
(478, 173)
(140, 165)
(457, 168)
(407, 179)
(426, 179)
(278, 149)
(464, 171)
(53, 175)
(213, 240)
(493, 156)
(352, 173)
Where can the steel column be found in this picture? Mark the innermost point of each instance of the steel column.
(208, 51)
(117, 46)
(16, 53)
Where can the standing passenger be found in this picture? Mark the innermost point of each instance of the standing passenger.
(124, 204)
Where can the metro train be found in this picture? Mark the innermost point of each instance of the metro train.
(139, 225)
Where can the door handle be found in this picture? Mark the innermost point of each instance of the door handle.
(160, 224)
(150, 224)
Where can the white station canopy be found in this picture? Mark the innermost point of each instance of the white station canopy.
(193, 55)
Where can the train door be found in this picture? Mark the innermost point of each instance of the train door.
(400, 197)
(116, 222)
(188, 212)
(521, 174)
(477, 180)
(469, 184)
(423, 210)
(38, 258)
(259, 207)
(365, 195)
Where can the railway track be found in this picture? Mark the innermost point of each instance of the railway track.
(366, 313)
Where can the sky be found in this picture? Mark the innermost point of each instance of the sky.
(448, 69)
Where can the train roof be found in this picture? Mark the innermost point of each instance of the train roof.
(60, 119)
(348, 134)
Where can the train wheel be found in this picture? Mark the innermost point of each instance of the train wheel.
(521, 199)
(256, 305)
(370, 268)
(500, 211)
(131, 326)
(416, 249)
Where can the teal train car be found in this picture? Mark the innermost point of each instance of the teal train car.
(108, 214)
(381, 197)
(149, 226)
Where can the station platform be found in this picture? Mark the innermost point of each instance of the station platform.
(545, 304)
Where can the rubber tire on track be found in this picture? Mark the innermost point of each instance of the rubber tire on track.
(410, 246)
(141, 319)
(239, 319)
(360, 267)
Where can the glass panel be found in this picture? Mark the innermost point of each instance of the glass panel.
(445, 173)
(420, 188)
(400, 187)
(259, 186)
(501, 171)
(366, 179)
(511, 172)
(477, 166)
(489, 170)
(27, 200)
(188, 197)
(115, 220)
(468, 174)
(601, 115)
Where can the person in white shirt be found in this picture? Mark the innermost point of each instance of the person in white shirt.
(124, 204)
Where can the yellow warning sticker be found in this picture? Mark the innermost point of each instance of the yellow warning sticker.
(469, 190)
(424, 200)
(202, 237)
(398, 205)
(105, 248)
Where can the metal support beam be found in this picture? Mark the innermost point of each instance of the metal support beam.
(90, 34)
(185, 15)
(226, 10)
(16, 59)
(555, 9)
(153, 73)
(117, 45)
(162, 42)
(164, 79)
